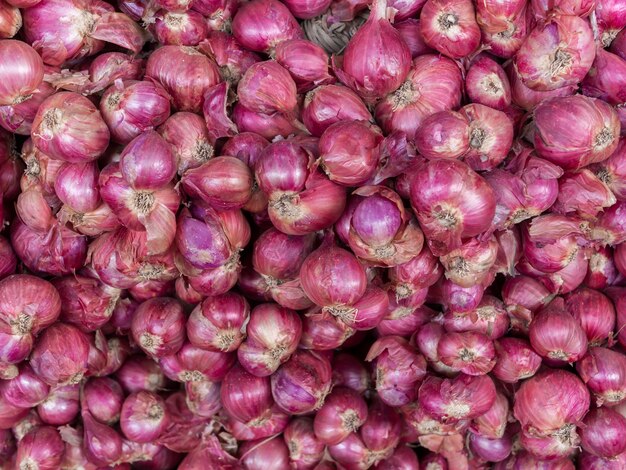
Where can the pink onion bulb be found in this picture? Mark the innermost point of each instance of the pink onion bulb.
(273, 335)
(69, 127)
(144, 416)
(158, 326)
(22, 72)
(376, 60)
(261, 25)
(60, 355)
(450, 27)
(344, 412)
(457, 205)
(603, 371)
(575, 131)
(41, 448)
(555, 54)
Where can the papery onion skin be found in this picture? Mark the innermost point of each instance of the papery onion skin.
(305, 450)
(604, 372)
(515, 360)
(556, 54)
(62, 405)
(184, 80)
(450, 27)
(344, 411)
(486, 83)
(260, 454)
(458, 207)
(246, 397)
(60, 355)
(376, 60)
(103, 397)
(329, 104)
(463, 397)
(302, 383)
(273, 335)
(141, 373)
(157, 326)
(22, 78)
(573, 147)
(69, 127)
(603, 433)
(550, 400)
(143, 417)
(41, 447)
(260, 25)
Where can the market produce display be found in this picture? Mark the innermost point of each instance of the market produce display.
(313, 234)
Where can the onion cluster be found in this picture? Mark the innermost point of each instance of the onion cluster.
(313, 234)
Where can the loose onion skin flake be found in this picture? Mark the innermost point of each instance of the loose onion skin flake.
(313, 234)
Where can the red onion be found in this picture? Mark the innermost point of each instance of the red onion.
(593, 462)
(26, 390)
(279, 256)
(208, 452)
(515, 360)
(323, 332)
(223, 182)
(267, 87)
(133, 107)
(403, 458)
(399, 367)
(24, 72)
(103, 397)
(42, 448)
(87, 302)
(69, 127)
(463, 397)
(523, 296)
(352, 453)
(10, 415)
(188, 136)
(432, 85)
(122, 267)
(180, 29)
(381, 430)
(612, 171)
(330, 104)
(266, 125)
(486, 83)
(305, 61)
(8, 261)
(258, 455)
(603, 371)
(595, 313)
(232, 58)
(60, 355)
(302, 383)
(344, 412)
(489, 318)
(410, 31)
(305, 450)
(606, 78)
(143, 416)
(504, 25)
(560, 445)
(147, 162)
(101, 443)
(183, 434)
(191, 363)
(602, 270)
(611, 18)
(542, 8)
(218, 323)
(556, 335)
(551, 402)
(349, 152)
(203, 397)
(307, 9)
(450, 27)
(349, 372)
(492, 424)
(261, 25)
(301, 199)
(470, 352)
(10, 20)
(583, 193)
(492, 450)
(376, 60)
(456, 206)
(274, 424)
(470, 264)
(186, 80)
(568, 42)
(158, 326)
(603, 433)
(524, 459)
(527, 98)
(558, 141)
(273, 334)
(490, 136)
(215, 110)
(420, 272)
(28, 305)
(345, 285)
(246, 397)
(76, 185)
(61, 406)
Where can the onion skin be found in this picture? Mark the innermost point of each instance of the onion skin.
(573, 148)
(450, 27)
(24, 76)
(42, 447)
(549, 401)
(594, 436)
(376, 60)
(567, 35)
(603, 371)
(515, 360)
